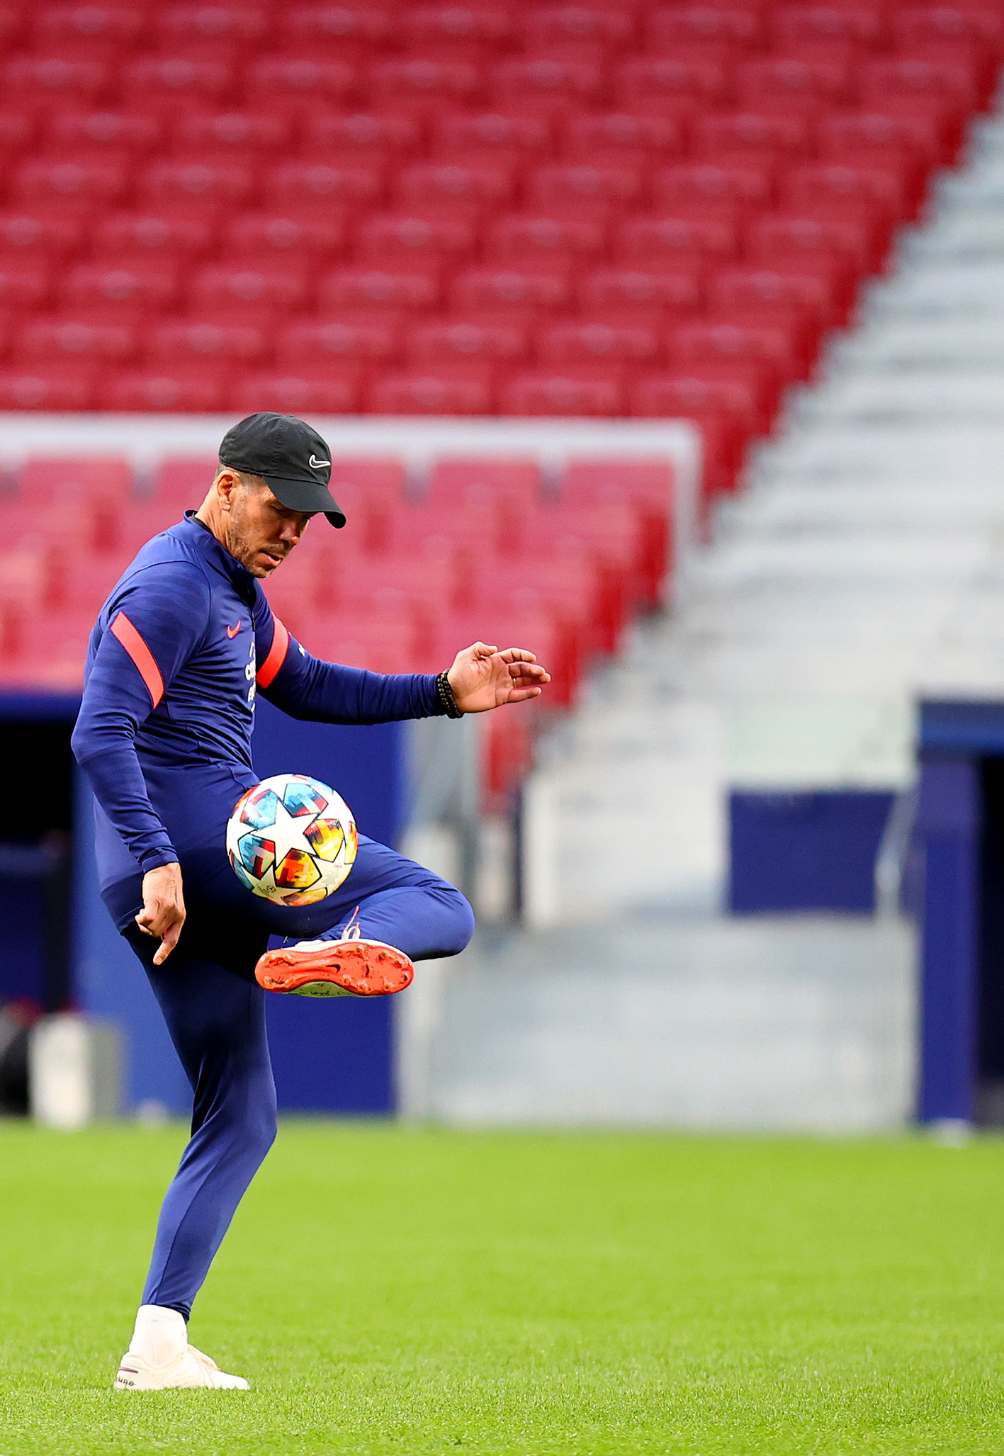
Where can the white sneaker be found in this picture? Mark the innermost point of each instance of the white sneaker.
(159, 1357)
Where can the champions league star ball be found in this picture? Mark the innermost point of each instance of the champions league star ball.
(291, 839)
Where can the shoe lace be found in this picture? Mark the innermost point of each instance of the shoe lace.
(353, 930)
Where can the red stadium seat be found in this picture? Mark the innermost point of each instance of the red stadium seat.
(610, 135)
(417, 232)
(47, 386)
(322, 184)
(369, 489)
(169, 183)
(345, 338)
(360, 134)
(340, 24)
(667, 235)
(255, 282)
(240, 23)
(55, 78)
(506, 129)
(785, 78)
(690, 390)
(170, 233)
(81, 480)
(490, 338)
(945, 21)
(97, 181)
(574, 389)
(136, 282)
(425, 80)
(42, 229)
(415, 285)
(57, 25)
(195, 131)
(290, 234)
(485, 181)
(305, 76)
(712, 184)
(443, 389)
(609, 184)
(881, 132)
(80, 336)
(784, 343)
(738, 25)
(629, 340)
(681, 85)
(545, 234)
(299, 389)
(173, 79)
(95, 128)
(792, 235)
(779, 132)
(507, 484)
(554, 80)
(545, 285)
(191, 339)
(453, 23)
(863, 24)
(548, 25)
(24, 282)
(626, 288)
(813, 289)
(167, 388)
(181, 481)
(887, 191)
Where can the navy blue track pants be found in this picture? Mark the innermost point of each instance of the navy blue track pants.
(215, 1013)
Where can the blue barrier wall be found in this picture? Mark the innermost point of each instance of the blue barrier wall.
(332, 1056)
(811, 850)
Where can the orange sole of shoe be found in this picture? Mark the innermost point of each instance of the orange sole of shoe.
(355, 968)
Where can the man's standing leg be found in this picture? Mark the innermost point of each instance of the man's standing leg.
(216, 1018)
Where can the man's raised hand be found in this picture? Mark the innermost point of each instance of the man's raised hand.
(482, 677)
(163, 912)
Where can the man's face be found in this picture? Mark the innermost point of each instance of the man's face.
(261, 531)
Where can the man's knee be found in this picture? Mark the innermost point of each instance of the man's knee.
(459, 920)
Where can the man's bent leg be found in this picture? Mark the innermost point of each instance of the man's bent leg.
(216, 1018)
(398, 901)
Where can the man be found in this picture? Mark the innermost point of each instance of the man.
(180, 648)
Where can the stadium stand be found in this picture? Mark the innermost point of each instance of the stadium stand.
(574, 209)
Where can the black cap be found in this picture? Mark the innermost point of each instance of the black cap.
(289, 456)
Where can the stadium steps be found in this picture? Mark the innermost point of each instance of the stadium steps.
(788, 1025)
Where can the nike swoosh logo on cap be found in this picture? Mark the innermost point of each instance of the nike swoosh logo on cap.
(316, 464)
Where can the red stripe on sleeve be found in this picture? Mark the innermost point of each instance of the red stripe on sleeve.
(122, 629)
(276, 655)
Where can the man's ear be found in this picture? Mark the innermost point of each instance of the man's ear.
(225, 483)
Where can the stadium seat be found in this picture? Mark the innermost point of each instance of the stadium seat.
(608, 136)
(425, 80)
(168, 233)
(543, 284)
(80, 335)
(712, 183)
(435, 389)
(352, 184)
(359, 134)
(619, 340)
(173, 80)
(609, 184)
(557, 234)
(783, 342)
(182, 480)
(172, 182)
(54, 26)
(421, 231)
(241, 23)
(792, 78)
(74, 479)
(24, 282)
(305, 76)
(816, 289)
(55, 78)
(340, 25)
(666, 235)
(346, 337)
(645, 485)
(167, 388)
(266, 132)
(573, 389)
(887, 191)
(413, 285)
(483, 182)
(298, 389)
(777, 133)
(47, 386)
(137, 282)
(508, 129)
(738, 25)
(200, 338)
(487, 337)
(690, 393)
(508, 485)
(96, 180)
(860, 24)
(625, 288)
(249, 281)
(554, 80)
(94, 129)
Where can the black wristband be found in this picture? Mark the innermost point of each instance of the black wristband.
(445, 694)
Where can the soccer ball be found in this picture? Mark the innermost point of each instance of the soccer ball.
(292, 840)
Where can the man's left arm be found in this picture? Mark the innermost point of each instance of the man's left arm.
(481, 677)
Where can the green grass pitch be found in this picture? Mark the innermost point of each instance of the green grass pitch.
(410, 1291)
